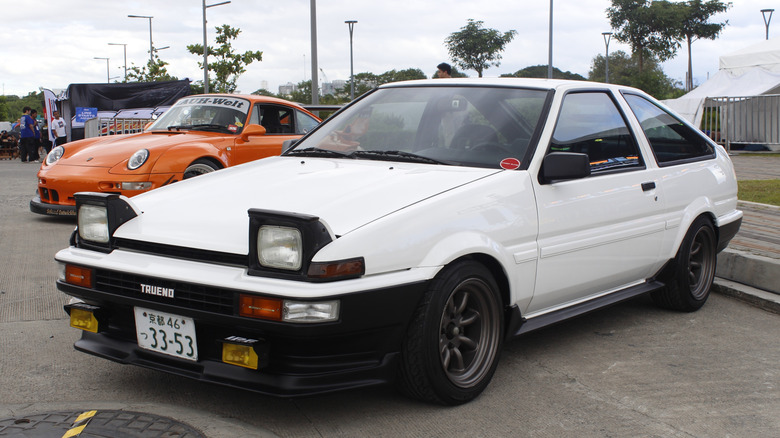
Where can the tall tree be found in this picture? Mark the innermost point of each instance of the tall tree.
(624, 70)
(641, 24)
(4, 113)
(475, 48)
(694, 24)
(228, 65)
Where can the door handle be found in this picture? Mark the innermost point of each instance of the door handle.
(646, 187)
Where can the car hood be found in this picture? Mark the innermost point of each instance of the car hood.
(210, 211)
(112, 150)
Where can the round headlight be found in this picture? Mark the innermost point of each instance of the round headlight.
(138, 159)
(54, 155)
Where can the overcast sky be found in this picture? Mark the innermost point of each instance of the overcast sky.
(53, 43)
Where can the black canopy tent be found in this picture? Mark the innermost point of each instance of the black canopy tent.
(119, 96)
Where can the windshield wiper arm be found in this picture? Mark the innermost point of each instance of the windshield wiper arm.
(317, 152)
(179, 127)
(396, 156)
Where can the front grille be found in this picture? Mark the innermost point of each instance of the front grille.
(188, 295)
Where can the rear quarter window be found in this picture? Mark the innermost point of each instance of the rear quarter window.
(671, 140)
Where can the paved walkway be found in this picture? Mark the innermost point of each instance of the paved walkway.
(760, 230)
(749, 268)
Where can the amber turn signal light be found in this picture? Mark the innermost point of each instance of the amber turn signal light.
(260, 307)
(78, 276)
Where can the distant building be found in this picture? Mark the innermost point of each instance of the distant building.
(287, 89)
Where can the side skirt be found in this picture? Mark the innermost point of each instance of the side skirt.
(519, 325)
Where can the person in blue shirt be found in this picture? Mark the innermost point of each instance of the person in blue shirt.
(27, 136)
(36, 155)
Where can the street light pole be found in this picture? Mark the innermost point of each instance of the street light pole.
(607, 37)
(351, 24)
(107, 73)
(550, 50)
(151, 46)
(766, 21)
(315, 84)
(125, 47)
(205, 46)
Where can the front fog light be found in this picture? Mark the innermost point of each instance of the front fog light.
(280, 247)
(241, 355)
(301, 311)
(93, 223)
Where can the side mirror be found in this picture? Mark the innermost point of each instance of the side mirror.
(252, 130)
(560, 166)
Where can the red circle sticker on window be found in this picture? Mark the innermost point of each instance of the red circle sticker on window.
(510, 163)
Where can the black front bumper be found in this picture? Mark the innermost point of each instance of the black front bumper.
(40, 207)
(361, 349)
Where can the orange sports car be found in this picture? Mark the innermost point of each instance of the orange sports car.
(198, 134)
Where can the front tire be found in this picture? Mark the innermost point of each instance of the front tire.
(688, 285)
(199, 167)
(453, 343)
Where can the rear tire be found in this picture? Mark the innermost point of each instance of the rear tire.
(689, 282)
(199, 167)
(453, 343)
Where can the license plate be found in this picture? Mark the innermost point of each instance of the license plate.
(166, 333)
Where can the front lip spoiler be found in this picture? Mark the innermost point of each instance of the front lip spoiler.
(37, 206)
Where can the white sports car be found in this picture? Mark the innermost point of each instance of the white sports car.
(405, 239)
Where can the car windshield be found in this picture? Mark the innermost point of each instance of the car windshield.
(469, 126)
(224, 114)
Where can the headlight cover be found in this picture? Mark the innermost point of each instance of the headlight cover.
(280, 247)
(54, 156)
(138, 159)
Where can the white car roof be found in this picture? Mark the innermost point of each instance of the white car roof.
(546, 84)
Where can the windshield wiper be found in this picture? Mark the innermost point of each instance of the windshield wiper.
(210, 127)
(200, 127)
(317, 152)
(395, 156)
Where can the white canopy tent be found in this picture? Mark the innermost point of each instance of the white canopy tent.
(751, 71)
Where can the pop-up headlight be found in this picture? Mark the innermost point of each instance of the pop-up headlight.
(98, 216)
(282, 245)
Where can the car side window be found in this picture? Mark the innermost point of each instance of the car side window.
(304, 122)
(274, 118)
(590, 123)
(671, 140)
